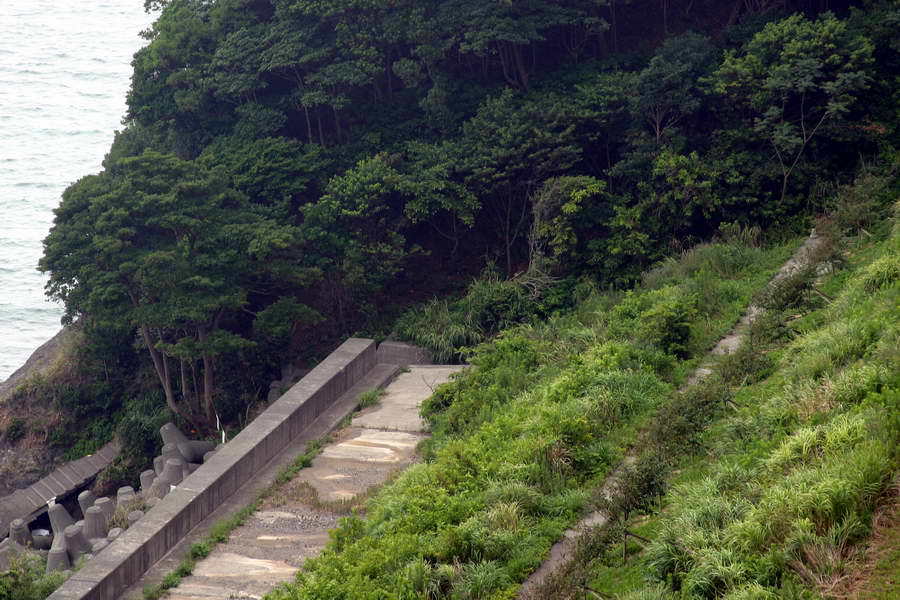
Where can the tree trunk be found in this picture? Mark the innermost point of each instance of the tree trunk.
(520, 66)
(504, 64)
(162, 372)
(615, 26)
(185, 391)
(337, 123)
(195, 384)
(309, 131)
(735, 13)
(208, 378)
(208, 387)
(665, 16)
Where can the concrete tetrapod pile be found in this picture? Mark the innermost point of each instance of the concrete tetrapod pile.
(68, 540)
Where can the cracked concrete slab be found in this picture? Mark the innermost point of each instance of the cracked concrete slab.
(410, 388)
(373, 446)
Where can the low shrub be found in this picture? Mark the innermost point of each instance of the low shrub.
(478, 581)
(679, 424)
(660, 318)
(26, 580)
(866, 202)
(502, 370)
(748, 364)
(791, 292)
(882, 273)
(120, 516)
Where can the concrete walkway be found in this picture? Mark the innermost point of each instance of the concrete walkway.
(293, 524)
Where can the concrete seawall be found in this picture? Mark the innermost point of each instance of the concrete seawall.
(123, 562)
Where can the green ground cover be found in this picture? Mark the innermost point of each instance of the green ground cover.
(776, 498)
(521, 439)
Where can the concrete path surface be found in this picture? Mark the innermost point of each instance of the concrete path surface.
(293, 523)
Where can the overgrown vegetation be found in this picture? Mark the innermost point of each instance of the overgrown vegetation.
(26, 580)
(292, 172)
(769, 473)
(520, 439)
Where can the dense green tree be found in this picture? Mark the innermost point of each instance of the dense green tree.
(431, 183)
(502, 32)
(797, 77)
(669, 89)
(277, 173)
(169, 87)
(510, 147)
(167, 248)
(565, 211)
(879, 21)
(356, 231)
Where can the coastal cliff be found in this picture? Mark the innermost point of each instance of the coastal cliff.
(25, 455)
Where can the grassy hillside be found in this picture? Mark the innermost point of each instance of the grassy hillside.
(761, 480)
(779, 494)
(522, 438)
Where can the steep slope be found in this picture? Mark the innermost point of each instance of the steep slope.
(778, 489)
(564, 551)
(543, 414)
(767, 470)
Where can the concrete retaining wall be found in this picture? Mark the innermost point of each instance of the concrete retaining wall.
(398, 353)
(124, 561)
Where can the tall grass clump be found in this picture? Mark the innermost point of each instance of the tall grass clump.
(446, 327)
(805, 457)
(779, 520)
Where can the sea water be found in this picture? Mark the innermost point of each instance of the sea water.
(64, 72)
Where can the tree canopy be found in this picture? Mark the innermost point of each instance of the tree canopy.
(316, 161)
(164, 246)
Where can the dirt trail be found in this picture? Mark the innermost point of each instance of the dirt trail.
(563, 550)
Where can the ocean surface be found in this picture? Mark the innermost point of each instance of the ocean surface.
(64, 72)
